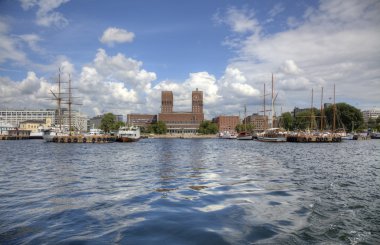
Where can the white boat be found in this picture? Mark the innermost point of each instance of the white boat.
(375, 135)
(39, 134)
(95, 131)
(272, 135)
(128, 134)
(227, 135)
(348, 136)
(49, 134)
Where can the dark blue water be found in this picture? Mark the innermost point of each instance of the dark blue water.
(177, 191)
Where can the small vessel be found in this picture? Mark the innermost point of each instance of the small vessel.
(244, 136)
(375, 135)
(272, 135)
(39, 134)
(128, 134)
(52, 132)
(95, 131)
(227, 135)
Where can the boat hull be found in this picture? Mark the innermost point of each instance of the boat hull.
(270, 139)
(127, 139)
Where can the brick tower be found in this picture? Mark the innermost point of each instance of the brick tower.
(197, 101)
(166, 102)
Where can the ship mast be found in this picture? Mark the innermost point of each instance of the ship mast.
(311, 109)
(272, 112)
(266, 121)
(322, 112)
(70, 103)
(334, 111)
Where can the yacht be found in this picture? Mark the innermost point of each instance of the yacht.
(52, 132)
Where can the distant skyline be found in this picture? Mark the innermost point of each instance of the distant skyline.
(122, 54)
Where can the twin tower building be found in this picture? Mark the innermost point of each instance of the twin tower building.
(181, 122)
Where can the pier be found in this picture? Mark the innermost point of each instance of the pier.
(84, 139)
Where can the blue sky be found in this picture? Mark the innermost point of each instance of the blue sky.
(121, 54)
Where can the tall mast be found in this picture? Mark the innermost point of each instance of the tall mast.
(322, 110)
(265, 120)
(272, 109)
(70, 102)
(59, 100)
(334, 111)
(245, 118)
(311, 109)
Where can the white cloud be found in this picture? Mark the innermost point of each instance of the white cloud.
(9, 49)
(115, 35)
(290, 67)
(336, 43)
(45, 15)
(32, 41)
(239, 20)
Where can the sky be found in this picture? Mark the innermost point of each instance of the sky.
(120, 55)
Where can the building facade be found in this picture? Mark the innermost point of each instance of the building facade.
(227, 123)
(181, 122)
(259, 122)
(33, 125)
(371, 114)
(15, 117)
(141, 120)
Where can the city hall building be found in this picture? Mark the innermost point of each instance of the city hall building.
(181, 122)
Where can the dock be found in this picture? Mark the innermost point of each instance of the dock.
(13, 137)
(313, 138)
(84, 139)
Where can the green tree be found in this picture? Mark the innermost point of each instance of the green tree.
(158, 128)
(287, 120)
(347, 117)
(208, 127)
(118, 125)
(108, 122)
(241, 128)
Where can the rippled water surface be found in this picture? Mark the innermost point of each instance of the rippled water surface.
(177, 191)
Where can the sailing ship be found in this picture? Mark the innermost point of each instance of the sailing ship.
(57, 130)
(272, 134)
(245, 135)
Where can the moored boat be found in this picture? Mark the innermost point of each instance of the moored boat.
(128, 134)
(244, 136)
(227, 135)
(272, 135)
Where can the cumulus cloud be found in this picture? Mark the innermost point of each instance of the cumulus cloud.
(115, 35)
(46, 14)
(335, 43)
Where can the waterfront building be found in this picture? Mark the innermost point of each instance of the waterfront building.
(259, 122)
(371, 114)
(227, 123)
(181, 122)
(78, 120)
(141, 120)
(5, 127)
(15, 117)
(33, 125)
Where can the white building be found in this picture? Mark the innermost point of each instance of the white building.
(14, 117)
(372, 113)
(4, 127)
(78, 120)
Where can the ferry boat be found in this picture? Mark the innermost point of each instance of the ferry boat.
(272, 135)
(128, 134)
